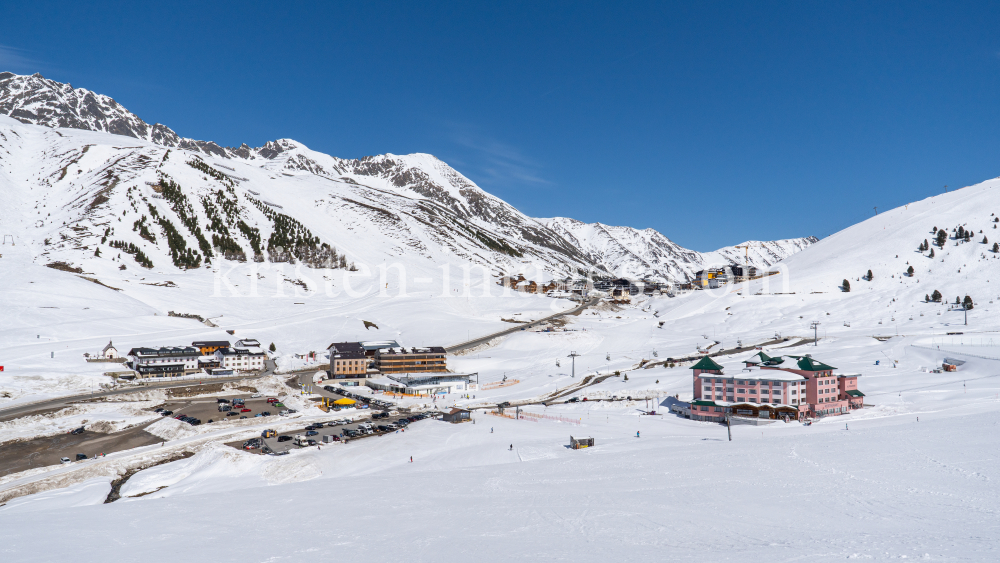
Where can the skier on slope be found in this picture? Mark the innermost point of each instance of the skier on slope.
(512, 447)
(636, 433)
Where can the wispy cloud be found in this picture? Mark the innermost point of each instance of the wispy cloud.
(495, 161)
(17, 60)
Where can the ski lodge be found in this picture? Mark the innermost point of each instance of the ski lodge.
(768, 388)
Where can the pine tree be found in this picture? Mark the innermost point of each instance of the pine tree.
(870, 276)
(927, 298)
(985, 240)
(846, 286)
(936, 296)
(967, 302)
(271, 347)
(996, 247)
(910, 271)
(942, 237)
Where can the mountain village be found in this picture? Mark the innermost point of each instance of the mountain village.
(184, 320)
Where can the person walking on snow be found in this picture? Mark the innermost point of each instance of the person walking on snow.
(636, 433)
(491, 429)
(512, 447)
(411, 459)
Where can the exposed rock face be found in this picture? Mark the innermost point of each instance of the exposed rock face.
(445, 203)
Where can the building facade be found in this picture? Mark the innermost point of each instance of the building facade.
(240, 359)
(773, 390)
(164, 362)
(411, 360)
(208, 347)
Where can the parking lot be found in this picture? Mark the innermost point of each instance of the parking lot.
(340, 430)
(207, 409)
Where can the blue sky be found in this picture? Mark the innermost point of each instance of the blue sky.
(712, 122)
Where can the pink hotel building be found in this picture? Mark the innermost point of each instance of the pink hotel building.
(766, 389)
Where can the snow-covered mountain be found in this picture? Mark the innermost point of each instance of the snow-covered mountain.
(647, 253)
(67, 144)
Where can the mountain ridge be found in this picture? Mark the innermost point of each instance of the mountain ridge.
(498, 229)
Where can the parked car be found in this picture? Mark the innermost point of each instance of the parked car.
(272, 400)
(256, 396)
(383, 428)
(268, 434)
(574, 400)
(64, 460)
(311, 433)
(266, 413)
(284, 438)
(158, 410)
(231, 413)
(78, 431)
(222, 400)
(167, 413)
(244, 410)
(224, 408)
(258, 415)
(81, 457)
(242, 417)
(311, 442)
(283, 413)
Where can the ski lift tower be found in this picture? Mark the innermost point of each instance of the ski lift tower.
(815, 326)
(574, 356)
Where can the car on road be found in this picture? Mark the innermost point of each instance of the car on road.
(78, 431)
(574, 400)
(311, 433)
(272, 400)
(167, 413)
(80, 457)
(64, 460)
(231, 413)
(158, 410)
(242, 417)
(222, 400)
(224, 408)
(244, 410)
(284, 438)
(256, 396)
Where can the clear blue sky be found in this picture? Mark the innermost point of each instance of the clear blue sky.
(710, 122)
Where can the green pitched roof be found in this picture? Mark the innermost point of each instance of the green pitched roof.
(706, 364)
(855, 393)
(809, 364)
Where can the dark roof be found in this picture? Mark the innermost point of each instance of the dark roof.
(346, 347)
(207, 343)
(411, 351)
(855, 393)
(165, 352)
(701, 403)
(707, 363)
(809, 364)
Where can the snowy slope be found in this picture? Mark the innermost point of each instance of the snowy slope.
(647, 253)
